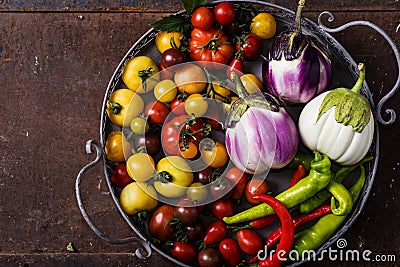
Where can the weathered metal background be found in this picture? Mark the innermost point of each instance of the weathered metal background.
(54, 69)
(174, 5)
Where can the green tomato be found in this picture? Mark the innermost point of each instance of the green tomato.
(139, 126)
(197, 192)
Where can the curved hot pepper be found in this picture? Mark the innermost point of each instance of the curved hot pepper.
(322, 196)
(340, 195)
(287, 231)
(313, 237)
(318, 178)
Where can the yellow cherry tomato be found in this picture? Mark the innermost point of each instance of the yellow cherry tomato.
(196, 104)
(178, 173)
(263, 25)
(190, 151)
(214, 154)
(227, 107)
(123, 105)
(139, 126)
(165, 91)
(165, 40)
(219, 92)
(197, 192)
(117, 148)
(140, 167)
(251, 83)
(140, 74)
(190, 79)
(137, 197)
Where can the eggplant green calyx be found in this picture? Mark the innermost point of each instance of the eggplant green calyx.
(351, 107)
(246, 100)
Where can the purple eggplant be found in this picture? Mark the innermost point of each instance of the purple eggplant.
(296, 69)
(260, 133)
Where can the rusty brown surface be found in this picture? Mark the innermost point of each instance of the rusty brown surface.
(54, 69)
(174, 5)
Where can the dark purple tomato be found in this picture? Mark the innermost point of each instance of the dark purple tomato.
(221, 188)
(210, 257)
(186, 212)
(204, 176)
(195, 231)
(172, 57)
(151, 141)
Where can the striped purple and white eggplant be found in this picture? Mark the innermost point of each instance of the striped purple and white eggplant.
(296, 69)
(260, 133)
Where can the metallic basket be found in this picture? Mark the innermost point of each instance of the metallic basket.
(345, 73)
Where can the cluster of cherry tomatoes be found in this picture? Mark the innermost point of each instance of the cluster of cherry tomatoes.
(167, 116)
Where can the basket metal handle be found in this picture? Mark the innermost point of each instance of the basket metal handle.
(390, 112)
(91, 147)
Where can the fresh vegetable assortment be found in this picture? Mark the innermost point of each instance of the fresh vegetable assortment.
(197, 133)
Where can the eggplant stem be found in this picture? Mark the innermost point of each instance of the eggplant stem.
(297, 25)
(240, 90)
(358, 85)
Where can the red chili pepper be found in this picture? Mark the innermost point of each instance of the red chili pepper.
(263, 221)
(298, 174)
(287, 231)
(257, 223)
(298, 221)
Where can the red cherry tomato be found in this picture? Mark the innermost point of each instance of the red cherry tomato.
(255, 187)
(239, 178)
(222, 208)
(178, 106)
(184, 252)
(235, 65)
(120, 176)
(166, 74)
(156, 111)
(170, 135)
(158, 223)
(202, 18)
(250, 47)
(249, 241)
(230, 251)
(215, 232)
(224, 13)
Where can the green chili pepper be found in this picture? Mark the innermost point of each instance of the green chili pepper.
(340, 195)
(303, 159)
(322, 196)
(312, 238)
(318, 178)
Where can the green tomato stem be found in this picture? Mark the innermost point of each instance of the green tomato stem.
(115, 107)
(357, 87)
